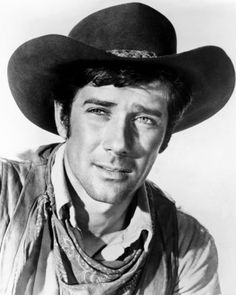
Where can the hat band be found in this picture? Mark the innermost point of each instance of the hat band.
(132, 53)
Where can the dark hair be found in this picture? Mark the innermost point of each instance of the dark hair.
(71, 79)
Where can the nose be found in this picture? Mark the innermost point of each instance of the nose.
(118, 138)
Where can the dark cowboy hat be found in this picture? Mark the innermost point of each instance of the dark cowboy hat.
(127, 33)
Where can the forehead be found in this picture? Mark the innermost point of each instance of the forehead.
(153, 93)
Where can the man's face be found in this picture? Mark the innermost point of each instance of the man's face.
(115, 137)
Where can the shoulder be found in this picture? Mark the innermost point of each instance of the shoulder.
(25, 174)
(195, 247)
(17, 168)
(191, 232)
(14, 172)
(37, 156)
(27, 159)
(198, 259)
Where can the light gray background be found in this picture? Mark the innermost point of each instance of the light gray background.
(198, 169)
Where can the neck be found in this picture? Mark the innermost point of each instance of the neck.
(96, 218)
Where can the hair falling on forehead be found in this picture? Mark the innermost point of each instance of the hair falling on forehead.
(71, 80)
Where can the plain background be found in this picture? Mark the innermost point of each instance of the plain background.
(198, 169)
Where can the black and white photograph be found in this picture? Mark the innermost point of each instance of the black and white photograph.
(118, 147)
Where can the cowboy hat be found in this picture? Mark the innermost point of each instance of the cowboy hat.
(126, 33)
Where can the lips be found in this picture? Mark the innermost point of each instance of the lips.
(113, 172)
(115, 169)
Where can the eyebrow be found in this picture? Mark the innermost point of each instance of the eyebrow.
(153, 112)
(99, 102)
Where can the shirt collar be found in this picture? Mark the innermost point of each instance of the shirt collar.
(62, 196)
(140, 221)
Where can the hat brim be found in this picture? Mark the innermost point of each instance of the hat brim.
(208, 70)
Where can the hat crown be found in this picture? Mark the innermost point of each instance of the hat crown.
(132, 26)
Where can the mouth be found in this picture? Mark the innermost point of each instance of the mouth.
(112, 172)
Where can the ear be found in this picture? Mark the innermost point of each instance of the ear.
(61, 128)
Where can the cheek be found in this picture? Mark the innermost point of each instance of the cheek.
(151, 141)
(151, 146)
(83, 137)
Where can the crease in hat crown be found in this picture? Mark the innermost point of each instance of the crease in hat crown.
(151, 30)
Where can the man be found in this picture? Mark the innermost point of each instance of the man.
(80, 217)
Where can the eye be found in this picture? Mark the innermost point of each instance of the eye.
(98, 111)
(144, 120)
